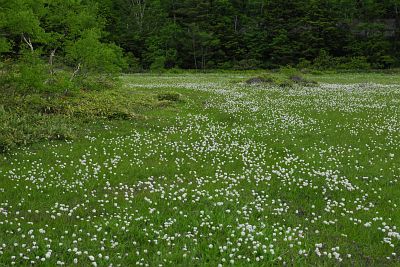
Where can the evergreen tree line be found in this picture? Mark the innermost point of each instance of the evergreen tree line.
(109, 36)
(245, 34)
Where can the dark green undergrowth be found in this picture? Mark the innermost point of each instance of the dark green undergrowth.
(30, 118)
(22, 128)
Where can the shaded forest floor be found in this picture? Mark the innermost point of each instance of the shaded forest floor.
(206, 169)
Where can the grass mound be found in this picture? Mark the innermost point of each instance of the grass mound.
(302, 81)
(258, 80)
(170, 96)
(285, 78)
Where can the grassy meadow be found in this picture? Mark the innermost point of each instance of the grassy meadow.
(208, 170)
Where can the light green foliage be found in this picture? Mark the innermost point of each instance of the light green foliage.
(40, 36)
(94, 56)
(22, 17)
(31, 72)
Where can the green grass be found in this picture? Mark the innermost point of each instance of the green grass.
(350, 78)
(231, 174)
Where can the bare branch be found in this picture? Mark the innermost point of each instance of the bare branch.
(28, 42)
(76, 71)
(138, 8)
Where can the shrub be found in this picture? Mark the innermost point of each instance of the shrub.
(176, 71)
(133, 64)
(304, 64)
(289, 71)
(158, 64)
(386, 61)
(225, 65)
(61, 83)
(95, 57)
(97, 82)
(355, 63)
(324, 60)
(246, 64)
(30, 73)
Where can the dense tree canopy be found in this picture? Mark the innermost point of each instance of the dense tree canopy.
(204, 34)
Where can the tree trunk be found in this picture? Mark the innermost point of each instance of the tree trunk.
(139, 7)
(397, 30)
(51, 59)
(75, 71)
(236, 23)
(194, 49)
(202, 58)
